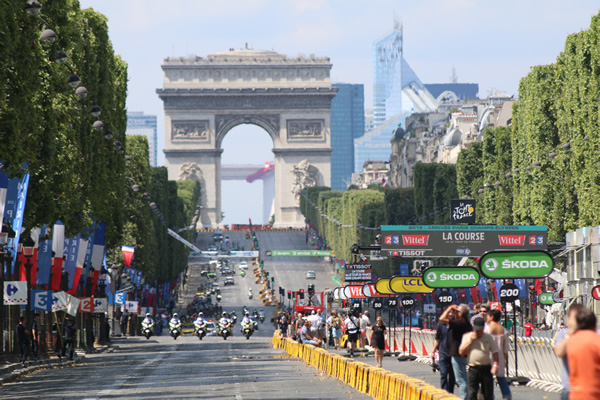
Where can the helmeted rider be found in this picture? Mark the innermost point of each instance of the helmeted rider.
(225, 321)
(175, 322)
(148, 320)
(199, 321)
(246, 320)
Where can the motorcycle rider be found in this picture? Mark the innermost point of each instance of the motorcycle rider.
(175, 322)
(246, 322)
(226, 322)
(199, 322)
(148, 322)
(250, 293)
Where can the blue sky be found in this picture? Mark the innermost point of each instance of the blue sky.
(492, 43)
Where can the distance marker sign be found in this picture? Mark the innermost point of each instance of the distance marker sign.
(451, 277)
(515, 264)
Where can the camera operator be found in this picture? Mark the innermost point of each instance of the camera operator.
(352, 329)
(456, 317)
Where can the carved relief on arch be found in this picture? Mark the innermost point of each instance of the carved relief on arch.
(269, 122)
(190, 171)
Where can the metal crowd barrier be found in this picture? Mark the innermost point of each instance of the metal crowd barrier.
(535, 355)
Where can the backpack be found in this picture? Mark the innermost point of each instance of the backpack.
(336, 323)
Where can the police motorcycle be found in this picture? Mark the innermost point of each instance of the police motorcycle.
(250, 294)
(219, 298)
(175, 327)
(233, 317)
(147, 326)
(261, 316)
(225, 326)
(247, 326)
(245, 310)
(200, 327)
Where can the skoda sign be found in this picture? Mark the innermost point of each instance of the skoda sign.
(515, 264)
(546, 298)
(451, 277)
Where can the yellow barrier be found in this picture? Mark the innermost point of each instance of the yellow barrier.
(376, 382)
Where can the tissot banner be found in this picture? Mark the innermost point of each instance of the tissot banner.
(357, 273)
(459, 240)
(462, 211)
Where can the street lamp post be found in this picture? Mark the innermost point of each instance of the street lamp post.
(28, 246)
(6, 234)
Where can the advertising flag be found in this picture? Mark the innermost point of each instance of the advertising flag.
(79, 263)
(73, 305)
(58, 247)
(44, 256)
(86, 304)
(132, 307)
(71, 251)
(59, 301)
(15, 292)
(97, 255)
(41, 300)
(14, 209)
(127, 254)
(100, 305)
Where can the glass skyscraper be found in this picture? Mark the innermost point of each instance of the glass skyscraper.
(347, 124)
(145, 125)
(397, 93)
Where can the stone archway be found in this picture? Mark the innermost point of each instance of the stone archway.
(204, 98)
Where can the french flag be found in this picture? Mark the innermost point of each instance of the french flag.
(97, 255)
(127, 254)
(83, 245)
(58, 247)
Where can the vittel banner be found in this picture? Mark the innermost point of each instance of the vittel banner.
(516, 264)
(459, 240)
(451, 277)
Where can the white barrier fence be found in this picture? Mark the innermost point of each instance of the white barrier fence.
(535, 355)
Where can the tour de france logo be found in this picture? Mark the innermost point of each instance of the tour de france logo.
(491, 264)
(432, 277)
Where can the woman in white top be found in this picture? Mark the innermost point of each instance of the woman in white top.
(499, 334)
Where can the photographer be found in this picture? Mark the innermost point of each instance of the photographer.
(456, 317)
(352, 329)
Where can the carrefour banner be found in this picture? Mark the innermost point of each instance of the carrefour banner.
(460, 240)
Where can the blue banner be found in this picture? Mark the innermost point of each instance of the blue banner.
(482, 288)
(14, 209)
(522, 285)
(88, 254)
(404, 270)
(41, 300)
(70, 253)
(44, 257)
(498, 286)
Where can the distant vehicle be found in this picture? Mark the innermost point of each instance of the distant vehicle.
(228, 281)
(187, 329)
(311, 275)
(243, 266)
(211, 328)
(213, 247)
(218, 237)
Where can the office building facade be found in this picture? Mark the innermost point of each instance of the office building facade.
(144, 125)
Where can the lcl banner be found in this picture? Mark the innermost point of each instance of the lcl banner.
(459, 240)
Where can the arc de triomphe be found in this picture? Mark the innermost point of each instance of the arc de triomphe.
(290, 98)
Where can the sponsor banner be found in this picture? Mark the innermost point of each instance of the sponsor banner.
(86, 304)
(59, 301)
(383, 286)
(73, 305)
(515, 264)
(596, 292)
(408, 284)
(429, 308)
(459, 240)
(369, 290)
(132, 307)
(354, 292)
(447, 277)
(546, 298)
(101, 305)
(357, 273)
(41, 300)
(15, 292)
(462, 211)
(299, 253)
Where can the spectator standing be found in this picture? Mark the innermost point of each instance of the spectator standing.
(123, 322)
(443, 339)
(528, 328)
(499, 335)
(483, 311)
(352, 329)
(365, 322)
(322, 326)
(35, 337)
(477, 346)
(336, 328)
(23, 340)
(69, 339)
(560, 349)
(583, 354)
(456, 317)
(377, 340)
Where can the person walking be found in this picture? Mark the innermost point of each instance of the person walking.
(336, 328)
(69, 339)
(443, 339)
(365, 322)
(456, 317)
(499, 335)
(352, 328)
(377, 340)
(23, 340)
(123, 322)
(35, 337)
(583, 355)
(560, 349)
(477, 346)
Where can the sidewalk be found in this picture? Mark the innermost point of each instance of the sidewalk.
(425, 373)
(11, 369)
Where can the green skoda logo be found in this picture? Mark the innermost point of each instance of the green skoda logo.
(516, 264)
(450, 277)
